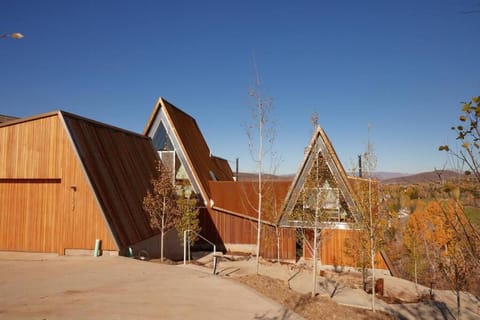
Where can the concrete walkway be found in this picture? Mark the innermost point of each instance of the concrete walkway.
(50, 287)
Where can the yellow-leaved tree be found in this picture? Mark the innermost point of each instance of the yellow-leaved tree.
(414, 242)
(445, 246)
(160, 203)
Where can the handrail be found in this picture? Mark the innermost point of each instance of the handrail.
(185, 234)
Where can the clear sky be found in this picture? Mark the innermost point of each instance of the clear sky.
(402, 66)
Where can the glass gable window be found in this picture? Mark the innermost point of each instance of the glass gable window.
(161, 140)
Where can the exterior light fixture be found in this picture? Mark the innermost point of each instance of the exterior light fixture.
(15, 35)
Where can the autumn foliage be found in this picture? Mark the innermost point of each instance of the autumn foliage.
(160, 203)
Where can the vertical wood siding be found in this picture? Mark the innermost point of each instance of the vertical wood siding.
(39, 209)
(340, 248)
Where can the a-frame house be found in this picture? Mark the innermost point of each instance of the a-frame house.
(323, 196)
(227, 215)
(181, 147)
(66, 181)
(320, 175)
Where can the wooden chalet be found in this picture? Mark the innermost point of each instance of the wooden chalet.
(66, 181)
(322, 196)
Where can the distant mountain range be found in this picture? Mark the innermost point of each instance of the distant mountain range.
(248, 176)
(431, 176)
(384, 177)
(381, 175)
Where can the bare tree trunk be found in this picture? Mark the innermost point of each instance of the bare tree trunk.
(260, 163)
(415, 272)
(162, 238)
(277, 231)
(415, 264)
(259, 210)
(163, 230)
(315, 250)
(457, 289)
(372, 247)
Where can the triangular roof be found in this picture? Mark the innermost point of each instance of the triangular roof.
(190, 145)
(319, 144)
(5, 118)
(118, 165)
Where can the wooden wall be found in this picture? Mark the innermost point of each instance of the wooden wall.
(287, 243)
(46, 204)
(340, 248)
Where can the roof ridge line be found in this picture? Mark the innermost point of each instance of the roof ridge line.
(101, 124)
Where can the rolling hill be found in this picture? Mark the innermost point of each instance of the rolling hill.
(424, 177)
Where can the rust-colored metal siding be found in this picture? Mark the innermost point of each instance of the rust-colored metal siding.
(224, 228)
(39, 209)
(242, 197)
(195, 146)
(234, 215)
(222, 169)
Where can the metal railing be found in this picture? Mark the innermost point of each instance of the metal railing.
(185, 242)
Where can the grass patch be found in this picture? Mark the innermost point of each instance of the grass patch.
(473, 214)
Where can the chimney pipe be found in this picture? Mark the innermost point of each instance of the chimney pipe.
(236, 169)
(360, 165)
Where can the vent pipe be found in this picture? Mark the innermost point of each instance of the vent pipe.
(236, 169)
(360, 165)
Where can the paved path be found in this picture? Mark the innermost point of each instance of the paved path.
(46, 287)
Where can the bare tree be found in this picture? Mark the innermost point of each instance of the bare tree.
(372, 222)
(160, 203)
(261, 134)
(370, 160)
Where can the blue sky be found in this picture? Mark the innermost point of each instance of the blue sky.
(401, 66)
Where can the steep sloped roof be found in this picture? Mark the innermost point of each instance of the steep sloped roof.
(189, 141)
(222, 169)
(119, 165)
(319, 144)
(241, 198)
(5, 118)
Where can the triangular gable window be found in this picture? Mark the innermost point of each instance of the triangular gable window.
(161, 140)
(318, 194)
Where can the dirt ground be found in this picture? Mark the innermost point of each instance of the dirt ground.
(44, 287)
(341, 294)
(51, 287)
(303, 304)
